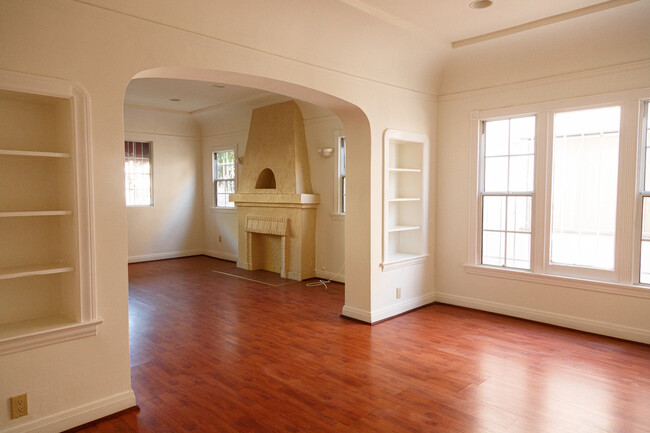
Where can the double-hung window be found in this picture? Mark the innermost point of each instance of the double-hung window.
(555, 190)
(507, 185)
(138, 173)
(644, 139)
(341, 174)
(223, 170)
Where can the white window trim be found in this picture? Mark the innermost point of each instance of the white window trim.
(151, 179)
(644, 121)
(336, 213)
(624, 279)
(214, 208)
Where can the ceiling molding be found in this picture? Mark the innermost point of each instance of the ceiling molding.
(162, 110)
(541, 22)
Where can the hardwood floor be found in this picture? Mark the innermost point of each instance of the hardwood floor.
(215, 353)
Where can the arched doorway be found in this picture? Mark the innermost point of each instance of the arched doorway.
(357, 131)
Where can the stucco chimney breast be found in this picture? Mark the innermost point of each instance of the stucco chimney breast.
(275, 201)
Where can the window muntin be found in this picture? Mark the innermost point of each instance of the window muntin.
(138, 173)
(224, 177)
(644, 271)
(341, 175)
(584, 188)
(508, 162)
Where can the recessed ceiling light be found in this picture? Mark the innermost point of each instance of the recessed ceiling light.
(174, 99)
(480, 4)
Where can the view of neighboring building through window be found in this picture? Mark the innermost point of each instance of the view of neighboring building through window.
(585, 179)
(508, 160)
(644, 277)
(341, 176)
(224, 177)
(137, 171)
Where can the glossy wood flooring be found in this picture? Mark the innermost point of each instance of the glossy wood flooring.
(214, 353)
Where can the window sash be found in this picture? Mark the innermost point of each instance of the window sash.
(630, 192)
(224, 175)
(508, 151)
(138, 176)
(341, 175)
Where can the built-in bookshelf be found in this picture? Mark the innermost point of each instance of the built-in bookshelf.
(405, 198)
(45, 225)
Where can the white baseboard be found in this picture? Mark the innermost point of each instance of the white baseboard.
(402, 307)
(77, 416)
(387, 312)
(356, 313)
(223, 255)
(163, 256)
(332, 276)
(573, 322)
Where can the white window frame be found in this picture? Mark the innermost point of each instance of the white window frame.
(624, 279)
(151, 194)
(338, 210)
(482, 193)
(213, 153)
(341, 173)
(643, 124)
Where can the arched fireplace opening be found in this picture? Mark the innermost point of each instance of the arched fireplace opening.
(266, 179)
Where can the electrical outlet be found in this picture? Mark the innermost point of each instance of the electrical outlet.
(18, 406)
(398, 293)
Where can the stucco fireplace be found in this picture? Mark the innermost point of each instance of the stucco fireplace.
(275, 201)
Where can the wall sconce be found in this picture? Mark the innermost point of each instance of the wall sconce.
(240, 160)
(326, 152)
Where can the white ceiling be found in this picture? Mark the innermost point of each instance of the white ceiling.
(453, 20)
(445, 21)
(194, 95)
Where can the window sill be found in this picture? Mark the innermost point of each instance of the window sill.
(337, 216)
(30, 334)
(555, 280)
(215, 209)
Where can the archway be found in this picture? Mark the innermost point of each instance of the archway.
(357, 130)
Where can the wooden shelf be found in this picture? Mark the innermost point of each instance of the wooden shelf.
(28, 271)
(405, 170)
(406, 157)
(15, 214)
(34, 153)
(402, 228)
(399, 199)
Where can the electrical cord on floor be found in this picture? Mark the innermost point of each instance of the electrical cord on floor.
(325, 282)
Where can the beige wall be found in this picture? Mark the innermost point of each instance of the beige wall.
(517, 71)
(103, 49)
(173, 227)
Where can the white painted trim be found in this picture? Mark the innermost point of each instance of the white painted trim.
(222, 209)
(538, 82)
(78, 415)
(223, 255)
(642, 292)
(573, 322)
(331, 276)
(402, 307)
(130, 134)
(397, 264)
(356, 313)
(53, 335)
(165, 255)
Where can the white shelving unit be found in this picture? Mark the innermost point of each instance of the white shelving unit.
(406, 172)
(45, 226)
